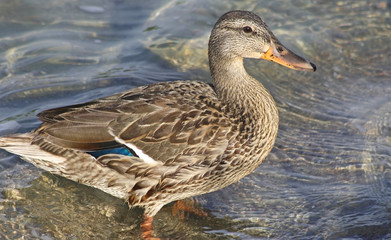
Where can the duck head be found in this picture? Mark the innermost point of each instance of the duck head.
(243, 34)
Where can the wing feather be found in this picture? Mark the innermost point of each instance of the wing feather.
(170, 122)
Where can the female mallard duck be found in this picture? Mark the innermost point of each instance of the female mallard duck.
(167, 141)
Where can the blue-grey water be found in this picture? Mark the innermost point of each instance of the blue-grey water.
(329, 175)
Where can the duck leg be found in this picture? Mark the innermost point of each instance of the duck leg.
(184, 208)
(146, 228)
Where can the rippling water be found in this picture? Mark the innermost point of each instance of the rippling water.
(329, 175)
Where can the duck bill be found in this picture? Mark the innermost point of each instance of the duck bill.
(279, 54)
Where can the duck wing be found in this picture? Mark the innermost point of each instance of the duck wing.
(174, 122)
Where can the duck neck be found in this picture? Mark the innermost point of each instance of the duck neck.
(242, 94)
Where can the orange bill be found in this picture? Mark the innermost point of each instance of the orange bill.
(279, 54)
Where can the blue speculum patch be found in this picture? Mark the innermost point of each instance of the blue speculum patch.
(121, 151)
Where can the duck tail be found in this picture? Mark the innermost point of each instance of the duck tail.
(116, 174)
(20, 144)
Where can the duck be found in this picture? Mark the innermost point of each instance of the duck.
(159, 143)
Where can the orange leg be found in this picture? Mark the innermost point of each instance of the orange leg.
(146, 228)
(186, 206)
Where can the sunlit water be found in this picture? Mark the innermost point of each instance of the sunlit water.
(329, 175)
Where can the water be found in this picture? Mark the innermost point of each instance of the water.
(329, 175)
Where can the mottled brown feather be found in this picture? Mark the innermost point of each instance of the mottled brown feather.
(162, 114)
(190, 138)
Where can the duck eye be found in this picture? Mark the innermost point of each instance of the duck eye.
(247, 29)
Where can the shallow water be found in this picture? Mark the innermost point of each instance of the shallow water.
(329, 175)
